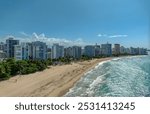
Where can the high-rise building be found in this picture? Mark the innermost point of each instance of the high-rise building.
(18, 52)
(39, 50)
(143, 51)
(122, 50)
(26, 50)
(137, 51)
(49, 53)
(57, 51)
(89, 50)
(132, 51)
(97, 50)
(68, 52)
(76, 52)
(2, 46)
(116, 49)
(34, 50)
(82, 51)
(127, 50)
(106, 49)
(2, 55)
(21, 52)
(10, 43)
(29, 51)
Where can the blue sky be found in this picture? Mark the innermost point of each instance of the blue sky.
(90, 21)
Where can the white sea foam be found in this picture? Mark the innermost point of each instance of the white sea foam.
(98, 65)
(115, 59)
(124, 77)
(84, 78)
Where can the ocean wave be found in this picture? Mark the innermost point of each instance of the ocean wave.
(122, 77)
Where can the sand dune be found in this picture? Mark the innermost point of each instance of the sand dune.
(55, 81)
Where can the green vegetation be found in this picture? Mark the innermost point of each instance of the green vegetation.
(4, 71)
(11, 67)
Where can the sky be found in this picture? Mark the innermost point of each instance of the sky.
(73, 22)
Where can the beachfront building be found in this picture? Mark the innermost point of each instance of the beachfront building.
(57, 51)
(116, 49)
(142, 51)
(34, 50)
(10, 43)
(138, 51)
(89, 50)
(49, 53)
(2, 55)
(2, 46)
(122, 50)
(76, 52)
(39, 50)
(127, 50)
(68, 52)
(29, 51)
(82, 51)
(106, 49)
(97, 50)
(21, 52)
(18, 52)
(132, 51)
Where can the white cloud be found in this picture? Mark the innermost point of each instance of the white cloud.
(24, 34)
(102, 35)
(118, 36)
(99, 35)
(112, 36)
(49, 40)
(35, 36)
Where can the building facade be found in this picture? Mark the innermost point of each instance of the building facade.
(132, 51)
(18, 52)
(38, 50)
(106, 49)
(2, 55)
(21, 52)
(89, 50)
(97, 50)
(2, 46)
(10, 43)
(116, 49)
(57, 51)
(76, 52)
(122, 50)
(34, 50)
(68, 52)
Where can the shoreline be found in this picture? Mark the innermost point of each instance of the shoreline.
(53, 82)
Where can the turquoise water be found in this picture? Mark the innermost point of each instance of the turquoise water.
(121, 77)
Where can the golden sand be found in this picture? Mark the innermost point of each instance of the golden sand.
(54, 82)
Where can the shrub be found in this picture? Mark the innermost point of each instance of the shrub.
(14, 69)
(4, 71)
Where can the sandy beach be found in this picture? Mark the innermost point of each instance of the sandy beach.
(52, 82)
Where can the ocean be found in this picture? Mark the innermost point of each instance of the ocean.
(119, 77)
